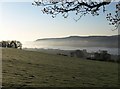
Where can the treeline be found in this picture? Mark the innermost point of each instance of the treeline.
(101, 55)
(11, 44)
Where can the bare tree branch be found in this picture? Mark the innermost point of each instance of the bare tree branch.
(115, 20)
(63, 7)
(80, 7)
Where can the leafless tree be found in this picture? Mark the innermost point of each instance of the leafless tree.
(80, 7)
(115, 20)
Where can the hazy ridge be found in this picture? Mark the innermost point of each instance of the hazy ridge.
(84, 41)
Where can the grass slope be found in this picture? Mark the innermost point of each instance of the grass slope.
(34, 69)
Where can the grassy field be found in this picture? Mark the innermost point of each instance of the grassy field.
(35, 69)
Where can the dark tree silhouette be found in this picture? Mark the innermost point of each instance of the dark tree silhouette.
(115, 20)
(63, 7)
(11, 44)
(80, 7)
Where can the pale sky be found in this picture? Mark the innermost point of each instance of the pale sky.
(24, 22)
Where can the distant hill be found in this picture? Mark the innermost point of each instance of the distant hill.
(83, 41)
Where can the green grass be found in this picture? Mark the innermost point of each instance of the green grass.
(35, 69)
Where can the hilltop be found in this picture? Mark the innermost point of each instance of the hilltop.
(84, 41)
(35, 69)
(81, 37)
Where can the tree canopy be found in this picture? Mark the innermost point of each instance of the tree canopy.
(80, 7)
